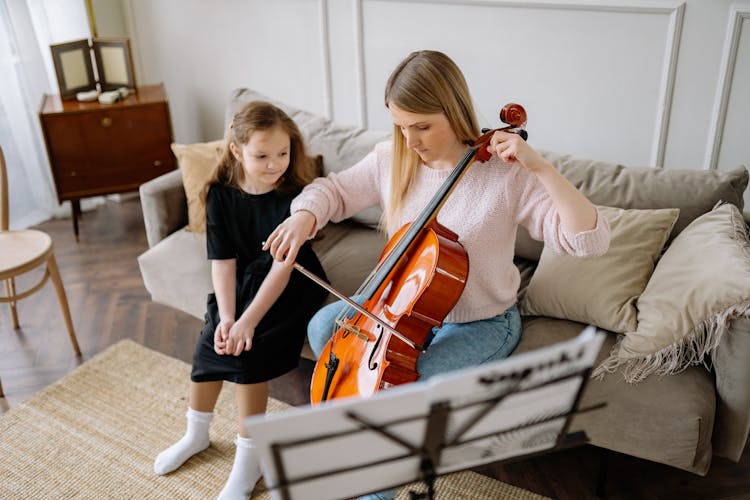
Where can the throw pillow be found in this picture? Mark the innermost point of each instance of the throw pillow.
(694, 192)
(699, 286)
(198, 162)
(602, 290)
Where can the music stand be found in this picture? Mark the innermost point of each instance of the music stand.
(509, 409)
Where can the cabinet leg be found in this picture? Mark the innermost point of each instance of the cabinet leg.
(75, 206)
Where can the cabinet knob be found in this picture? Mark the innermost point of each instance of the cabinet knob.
(157, 163)
(106, 121)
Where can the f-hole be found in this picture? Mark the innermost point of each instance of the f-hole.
(371, 364)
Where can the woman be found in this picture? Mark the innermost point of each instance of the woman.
(434, 123)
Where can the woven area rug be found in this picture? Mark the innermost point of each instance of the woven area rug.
(95, 433)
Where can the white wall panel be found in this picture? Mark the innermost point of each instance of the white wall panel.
(635, 82)
(591, 80)
(342, 29)
(696, 82)
(729, 144)
(203, 50)
(55, 22)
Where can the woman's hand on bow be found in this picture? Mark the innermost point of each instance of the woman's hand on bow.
(289, 236)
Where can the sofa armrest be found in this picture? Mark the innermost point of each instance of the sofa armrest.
(731, 361)
(164, 206)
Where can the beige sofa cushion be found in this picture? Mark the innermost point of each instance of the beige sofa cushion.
(635, 416)
(177, 271)
(731, 368)
(691, 299)
(602, 290)
(198, 162)
(694, 192)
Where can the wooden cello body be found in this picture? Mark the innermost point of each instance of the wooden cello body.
(416, 296)
(418, 280)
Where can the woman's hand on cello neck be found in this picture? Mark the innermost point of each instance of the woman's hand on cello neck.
(289, 236)
(512, 149)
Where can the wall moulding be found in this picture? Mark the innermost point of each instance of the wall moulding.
(738, 14)
(325, 51)
(675, 10)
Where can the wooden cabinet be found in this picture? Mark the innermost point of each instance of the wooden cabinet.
(96, 149)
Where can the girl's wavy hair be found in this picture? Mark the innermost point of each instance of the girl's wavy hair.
(257, 116)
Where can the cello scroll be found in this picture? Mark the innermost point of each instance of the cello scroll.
(515, 116)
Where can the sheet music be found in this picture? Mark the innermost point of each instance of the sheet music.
(525, 393)
(496, 411)
(352, 456)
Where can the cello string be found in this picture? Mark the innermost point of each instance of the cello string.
(387, 262)
(357, 307)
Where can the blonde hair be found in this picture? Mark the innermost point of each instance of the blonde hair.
(256, 116)
(425, 82)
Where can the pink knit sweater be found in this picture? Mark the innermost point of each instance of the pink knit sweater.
(485, 208)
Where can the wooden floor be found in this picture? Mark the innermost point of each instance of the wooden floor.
(109, 303)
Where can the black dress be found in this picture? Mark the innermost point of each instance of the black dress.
(236, 225)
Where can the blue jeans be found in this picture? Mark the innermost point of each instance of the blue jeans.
(450, 347)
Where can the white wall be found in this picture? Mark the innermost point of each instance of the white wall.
(651, 82)
(27, 29)
(55, 21)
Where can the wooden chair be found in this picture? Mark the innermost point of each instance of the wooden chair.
(21, 252)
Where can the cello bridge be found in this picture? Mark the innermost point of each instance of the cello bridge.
(353, 329)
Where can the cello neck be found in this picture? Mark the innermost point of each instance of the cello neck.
(430, 212)
(426, 217)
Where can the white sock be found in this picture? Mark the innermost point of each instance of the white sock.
(245, 472)
(194, 441)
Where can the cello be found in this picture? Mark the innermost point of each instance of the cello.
(418, 279)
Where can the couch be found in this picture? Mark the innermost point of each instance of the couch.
(680, 414)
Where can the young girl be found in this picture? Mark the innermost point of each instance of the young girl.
(256, 318)
(433, 124)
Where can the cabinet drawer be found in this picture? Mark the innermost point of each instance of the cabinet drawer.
(108, 149)
(108, 139)
(73, 182)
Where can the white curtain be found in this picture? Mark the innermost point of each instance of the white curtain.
(27, 28)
